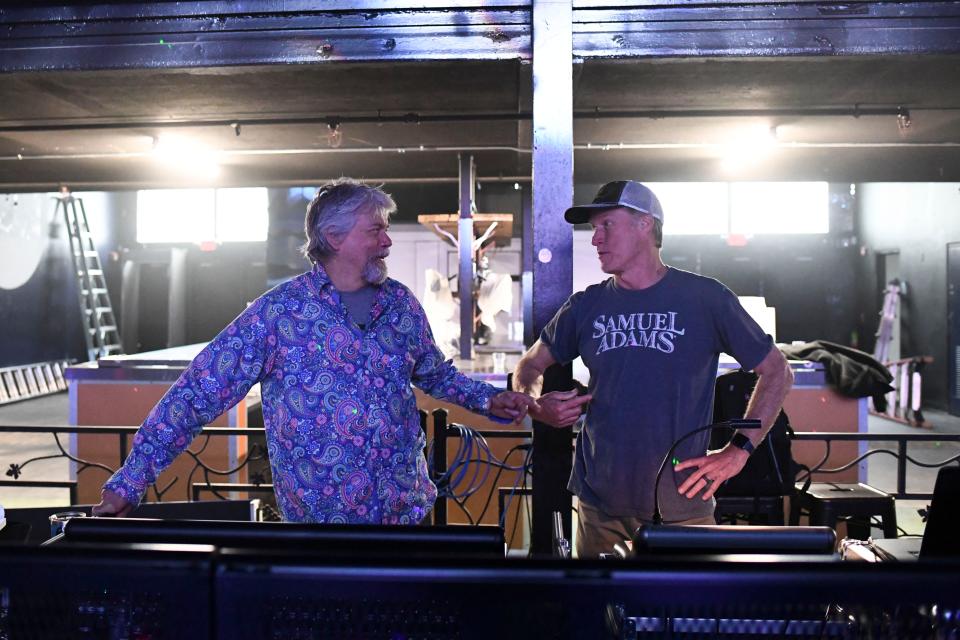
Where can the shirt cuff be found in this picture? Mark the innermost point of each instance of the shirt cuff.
(127, 490)
(489, 392)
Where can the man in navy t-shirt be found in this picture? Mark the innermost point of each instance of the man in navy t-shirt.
(651, 337)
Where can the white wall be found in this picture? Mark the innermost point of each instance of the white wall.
(416, 249)
(918, 220)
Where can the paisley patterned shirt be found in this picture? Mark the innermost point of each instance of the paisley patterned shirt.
(343, 433)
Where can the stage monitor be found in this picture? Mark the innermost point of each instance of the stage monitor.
(333, 539)
(124, 591)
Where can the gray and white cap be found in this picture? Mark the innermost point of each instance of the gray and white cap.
(622, 193)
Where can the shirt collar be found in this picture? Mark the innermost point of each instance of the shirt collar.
(385, 292)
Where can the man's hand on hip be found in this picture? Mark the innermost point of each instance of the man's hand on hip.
(111, 505)
(712, 470)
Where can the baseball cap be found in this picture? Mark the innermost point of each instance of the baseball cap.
(622, 193)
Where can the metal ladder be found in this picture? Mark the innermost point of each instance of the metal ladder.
(99, 322)
(888, 315)
(32, 380)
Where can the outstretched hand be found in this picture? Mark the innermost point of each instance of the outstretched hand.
(712, 470)
(511, 405)
(112, 505)
(559, 408)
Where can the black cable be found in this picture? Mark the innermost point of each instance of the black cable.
(523, 504)
(465, 510)
(529, 513)
(516, 485)
(496, 478)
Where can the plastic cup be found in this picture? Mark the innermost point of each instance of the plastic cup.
(57, 520)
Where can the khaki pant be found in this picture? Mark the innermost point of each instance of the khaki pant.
(597, 531)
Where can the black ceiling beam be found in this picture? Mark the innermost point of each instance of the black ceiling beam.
(209, 34)
(764, 29)
(212, 34)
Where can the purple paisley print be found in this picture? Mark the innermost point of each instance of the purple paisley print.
(343, 433)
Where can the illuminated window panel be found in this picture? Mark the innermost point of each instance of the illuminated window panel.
(692, 208)
(242, 215)
(202, 215)
(175, 215)
(779, 208)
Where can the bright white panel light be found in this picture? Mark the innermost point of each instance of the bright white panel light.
(692, 208)
(748, 146)
(779, 207)
(242, 215)
(185, 156)
(175, 215)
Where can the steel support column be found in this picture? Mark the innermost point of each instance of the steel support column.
(468, 176)
(526, 257)
(552, 244)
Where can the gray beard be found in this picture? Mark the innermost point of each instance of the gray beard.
(375, 271)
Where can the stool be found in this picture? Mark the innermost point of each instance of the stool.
(828, 502)
(770, 507)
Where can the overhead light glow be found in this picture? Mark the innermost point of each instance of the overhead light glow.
(748, 147)
(186, 156)
(779, 207)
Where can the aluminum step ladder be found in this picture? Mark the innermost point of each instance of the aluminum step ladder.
(100, 328)
(888, 316)
(31, 380)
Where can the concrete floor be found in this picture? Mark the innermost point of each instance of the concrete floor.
(18, 448)
(54, 409)
(882, 468)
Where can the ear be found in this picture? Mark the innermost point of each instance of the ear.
(334, 240)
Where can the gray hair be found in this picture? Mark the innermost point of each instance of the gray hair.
(657, 228)
(334, 211)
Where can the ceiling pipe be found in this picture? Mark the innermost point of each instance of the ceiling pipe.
(611, 146)
(236, 124)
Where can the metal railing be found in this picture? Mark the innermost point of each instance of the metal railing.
(16, 469)
(442, 433)
(901, 455)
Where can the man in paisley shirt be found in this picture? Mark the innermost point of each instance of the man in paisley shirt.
(335, 351)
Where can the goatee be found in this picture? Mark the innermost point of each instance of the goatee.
(375, 271)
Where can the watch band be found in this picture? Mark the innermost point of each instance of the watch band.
(741, 441)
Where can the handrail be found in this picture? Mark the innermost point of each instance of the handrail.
(120, 430)
(447, 431)
(902, 439)
(15, 470)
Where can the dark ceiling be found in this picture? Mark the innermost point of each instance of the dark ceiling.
(46, 137)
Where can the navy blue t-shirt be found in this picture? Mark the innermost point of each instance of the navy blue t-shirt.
(652, 356)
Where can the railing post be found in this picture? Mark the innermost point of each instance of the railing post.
(901, 466)
(439, 461)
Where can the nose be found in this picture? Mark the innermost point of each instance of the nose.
(595, 239)
(385, 241)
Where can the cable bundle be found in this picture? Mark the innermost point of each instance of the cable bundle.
(470, 469)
